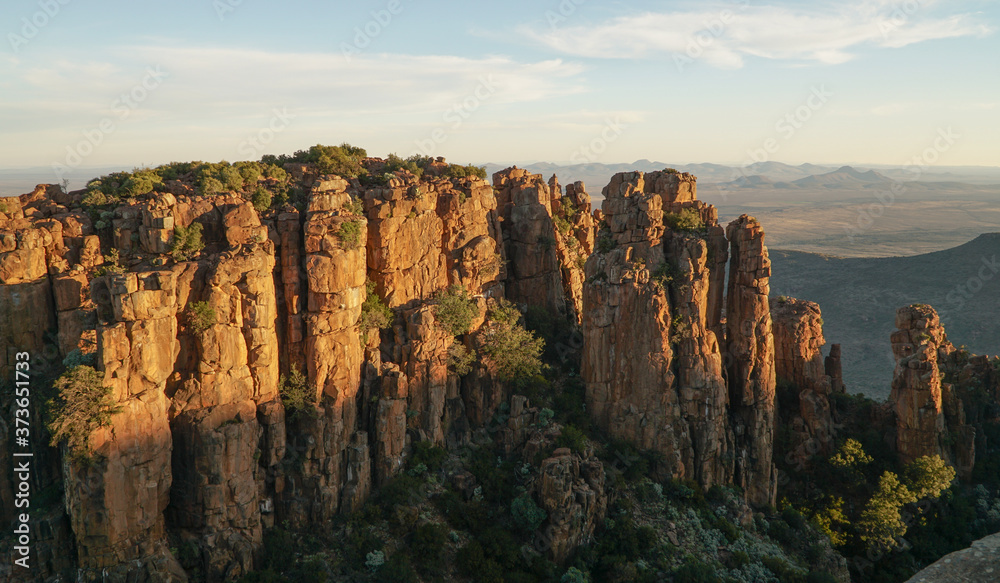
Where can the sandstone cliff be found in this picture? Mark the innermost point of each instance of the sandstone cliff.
(662, 370)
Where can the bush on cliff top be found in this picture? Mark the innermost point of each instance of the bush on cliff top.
(82, 406)
(349, 234)
(686, 221)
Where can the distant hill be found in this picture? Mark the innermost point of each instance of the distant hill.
(843, 177)
(859, 297)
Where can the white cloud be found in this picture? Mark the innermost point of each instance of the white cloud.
(723, 36)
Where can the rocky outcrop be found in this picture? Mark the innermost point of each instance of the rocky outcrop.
(750, 359)
(571, 491)
(979, 563)
(547, 236)
(930, 411)
(654, 343)
(801, 369)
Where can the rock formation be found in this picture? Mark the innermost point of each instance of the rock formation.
(661, 369)
(930, 414)
(547, 236)
(801, 369)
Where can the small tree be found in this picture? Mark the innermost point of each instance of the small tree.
(187, 242)
(512, 352)
(200, 316)
(82, 406)
(928, 476)
(349, 234)
(460, 358)
(296, 394)
(455, 310)
(686, 221)
(261, 199)
(527, 515)
(374, 312)
(881, 523)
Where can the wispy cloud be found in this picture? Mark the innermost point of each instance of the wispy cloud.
(724, 35)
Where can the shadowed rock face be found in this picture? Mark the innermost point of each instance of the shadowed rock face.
(662, 369)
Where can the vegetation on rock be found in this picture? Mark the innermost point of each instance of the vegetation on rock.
(83, 405)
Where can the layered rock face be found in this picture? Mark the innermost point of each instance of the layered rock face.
(547, 236)
(801, 368)
(201, 456)
(930, 412)
(661, 369)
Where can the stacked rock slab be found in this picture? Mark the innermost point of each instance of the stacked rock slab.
(653, 356)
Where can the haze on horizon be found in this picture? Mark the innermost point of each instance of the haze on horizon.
(866, 81)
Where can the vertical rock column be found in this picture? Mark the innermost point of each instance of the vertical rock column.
(218, 459)
(535, 276)
(627, 354)
(116, 504)
(335, 286)
(799, 364)
(750, 360)
(930, 414)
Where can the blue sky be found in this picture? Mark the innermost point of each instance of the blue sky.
(854, 81)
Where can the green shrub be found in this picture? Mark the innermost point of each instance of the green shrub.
(470, 171)
(397, 570)
(276, 172)
(428, 544)
(112, 265)
(605, 243)
(574, 575)
(572, 438)
(296, 394)
(694, 571)
(512, 352)
(200, 316)
(343, 160)
(82, 406)
(374, 312)
(261, 199)
(187, 242)
(455, 310)
(471, 561)
(249, 172)
(355, 207)
(432, 456)
(349, 234)
(686, 221)
(208, 185)
(460, 358)
(527, 515)
(663, 275)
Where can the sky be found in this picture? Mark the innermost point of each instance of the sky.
(118, 82)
